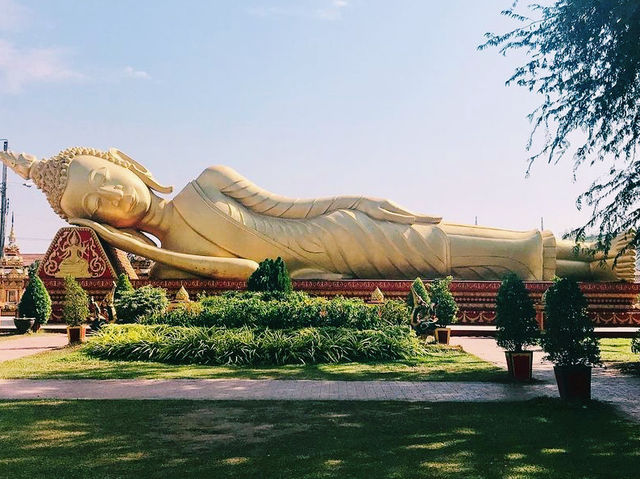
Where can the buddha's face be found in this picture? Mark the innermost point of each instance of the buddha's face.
(105, 192)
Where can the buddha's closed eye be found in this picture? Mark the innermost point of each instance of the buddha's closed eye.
(99, 177)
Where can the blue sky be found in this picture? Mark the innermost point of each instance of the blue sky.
(306, 98)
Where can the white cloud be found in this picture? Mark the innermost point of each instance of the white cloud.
(13, 16)
(333, 11)
(20, 67)
(327, 10)
(130, 72)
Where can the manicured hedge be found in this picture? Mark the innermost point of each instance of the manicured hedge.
(296, 310)
(247, 346)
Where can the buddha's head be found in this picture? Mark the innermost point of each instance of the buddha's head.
(107, 187)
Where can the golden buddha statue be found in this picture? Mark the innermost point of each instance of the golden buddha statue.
(220, 225)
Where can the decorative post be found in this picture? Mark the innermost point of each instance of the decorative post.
(3, 197)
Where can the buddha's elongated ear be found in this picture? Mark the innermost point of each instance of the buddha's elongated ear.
(141, 172)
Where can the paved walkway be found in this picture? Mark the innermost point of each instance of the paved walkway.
(28, 344)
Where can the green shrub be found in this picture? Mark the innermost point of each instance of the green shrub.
(247, 346)
(135, 304)
(516, 325)
(296, 310)
(568, 338)
(635, 343)
(446, 307)
(394, 311)
(271, 276)
(75, 309)
(35, 301)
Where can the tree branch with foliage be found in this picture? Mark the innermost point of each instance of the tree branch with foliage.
(584, 60)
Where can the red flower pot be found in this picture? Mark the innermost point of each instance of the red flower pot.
(76, 334)
(443, 335)
(520, 364)
(574, 382)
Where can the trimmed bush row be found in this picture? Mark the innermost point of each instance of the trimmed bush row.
(246, 346)
(287, 312)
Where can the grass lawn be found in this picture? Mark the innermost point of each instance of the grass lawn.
(442, 364)
(616, 352)
(271, 439)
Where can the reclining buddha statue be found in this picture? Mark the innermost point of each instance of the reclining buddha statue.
(221, 225)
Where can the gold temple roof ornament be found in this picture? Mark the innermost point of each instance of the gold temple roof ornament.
(182, 296)
(377, 296)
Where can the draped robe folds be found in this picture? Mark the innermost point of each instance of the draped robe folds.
(331, 238)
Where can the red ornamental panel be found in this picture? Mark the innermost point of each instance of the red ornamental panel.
(76, 252)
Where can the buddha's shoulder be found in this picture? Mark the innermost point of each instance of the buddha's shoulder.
(219, 177)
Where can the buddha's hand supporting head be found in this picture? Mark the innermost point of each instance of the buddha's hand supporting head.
(107, 187)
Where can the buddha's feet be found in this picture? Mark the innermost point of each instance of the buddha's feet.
(619, 264)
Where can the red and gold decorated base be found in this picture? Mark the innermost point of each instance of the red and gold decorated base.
(610, 304)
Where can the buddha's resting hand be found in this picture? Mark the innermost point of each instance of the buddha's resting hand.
(207, 266)
(386, 210)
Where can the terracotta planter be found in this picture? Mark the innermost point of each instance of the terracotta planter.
(23, 324)
(76, 334)
(443, 335)
(574, 382)
(520, 364)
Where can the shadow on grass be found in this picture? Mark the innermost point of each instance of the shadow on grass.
(535, 439)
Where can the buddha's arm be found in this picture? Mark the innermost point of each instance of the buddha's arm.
(261, 201)
(212, 267)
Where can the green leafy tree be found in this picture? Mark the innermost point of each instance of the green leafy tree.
(75, 309)
(446, 307)
(569, 338)
(35, 301)
(516, 325)
(583, 59)
(271, 276)
(122, 285)
(137, 303)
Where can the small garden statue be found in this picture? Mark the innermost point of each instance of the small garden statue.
(421, 310)
(108, 304)
(97, 318)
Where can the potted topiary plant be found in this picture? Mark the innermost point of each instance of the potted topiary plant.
(516, 326)
(35, 303)
(75, 310)
(569, 339)
(123, 285)
(445, 308)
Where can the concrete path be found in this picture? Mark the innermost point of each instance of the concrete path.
(243, 389)
(28, 344)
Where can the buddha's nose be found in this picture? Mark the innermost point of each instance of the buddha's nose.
(113, 193)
